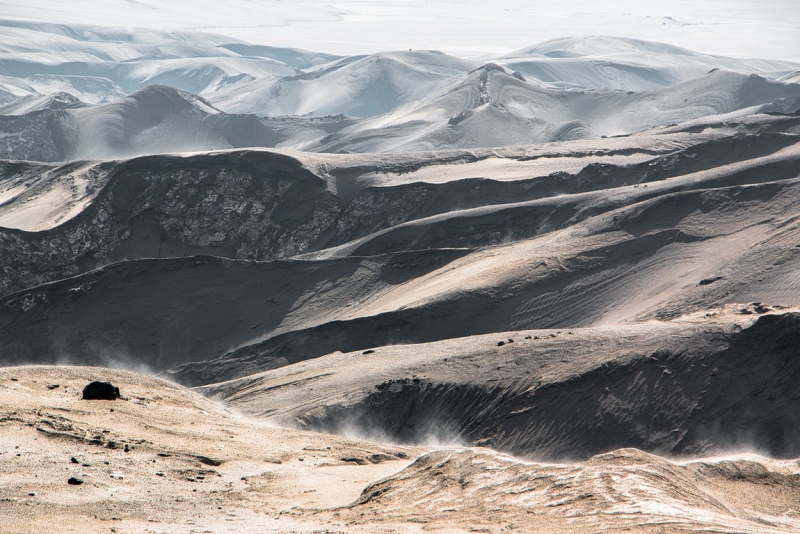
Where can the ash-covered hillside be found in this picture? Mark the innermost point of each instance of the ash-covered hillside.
(552, 301)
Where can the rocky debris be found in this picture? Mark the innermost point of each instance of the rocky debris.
(75, 481)
(195, 475)
(101, 391)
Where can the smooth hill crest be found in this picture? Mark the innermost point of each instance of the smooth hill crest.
(358, 86)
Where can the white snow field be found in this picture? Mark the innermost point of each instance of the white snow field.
(740, 28)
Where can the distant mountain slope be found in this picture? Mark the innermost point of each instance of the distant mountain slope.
(491, 107)
(595, 62)
(148, 207)
(139, 209)
(361, 87)
(99, 65)
(155, 120)
(30, 103)
(487, 108)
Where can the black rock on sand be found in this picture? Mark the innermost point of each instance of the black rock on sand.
(100, 391)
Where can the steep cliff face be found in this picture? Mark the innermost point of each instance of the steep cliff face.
(246, 205)
(37, 136)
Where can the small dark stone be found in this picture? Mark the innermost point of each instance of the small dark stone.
(707, 281)
(75, 481)
(354, 459)
(370, 351)
(208, 461)
(53, 386)
(101, 391)
(74, 460)
(501, 343)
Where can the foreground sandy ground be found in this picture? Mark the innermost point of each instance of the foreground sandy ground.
(168, 480)
(165, 459)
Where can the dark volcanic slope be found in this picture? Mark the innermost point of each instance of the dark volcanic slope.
(257, 205)
(241, 205)
(647, 227)
(159, 313)
(699, 386)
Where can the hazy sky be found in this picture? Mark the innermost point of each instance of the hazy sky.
(741, 28)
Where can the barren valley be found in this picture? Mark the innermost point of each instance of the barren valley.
(550, 290)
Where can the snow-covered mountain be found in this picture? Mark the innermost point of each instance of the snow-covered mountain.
(491, 107)
(596, 62)
(361, 87)
(98, 65)
(488, 107)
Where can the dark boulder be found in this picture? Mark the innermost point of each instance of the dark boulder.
(75, 481)
(101, 391)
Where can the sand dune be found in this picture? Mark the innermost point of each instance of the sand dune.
(488, 489)
(164, 457)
